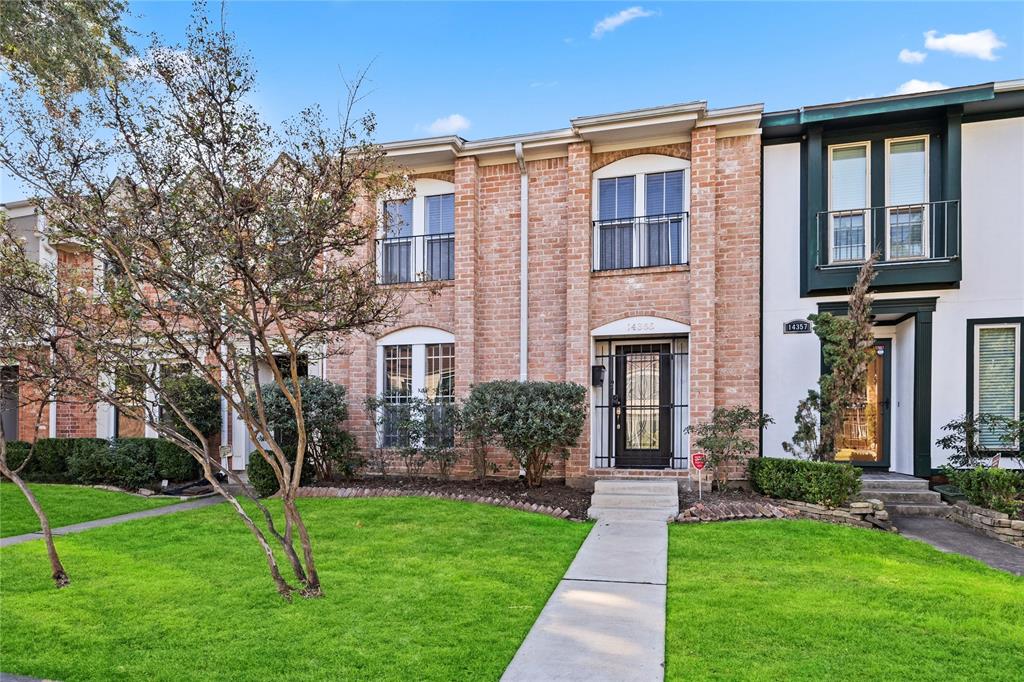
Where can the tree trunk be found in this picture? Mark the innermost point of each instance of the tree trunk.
(59, 575)
(535, 464)
(312, 582)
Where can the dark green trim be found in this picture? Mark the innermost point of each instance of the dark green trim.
(971, 324)
(993, 116)
(923, 393)
(781, 118)
(831, 112)
(893, 323)
(884, 306)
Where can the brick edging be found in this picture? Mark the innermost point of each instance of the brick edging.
(868, 514)
(994, 524)
(323, 491)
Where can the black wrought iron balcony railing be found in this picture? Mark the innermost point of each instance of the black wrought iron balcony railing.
(641, 241)
(417, 258)
(905, 233)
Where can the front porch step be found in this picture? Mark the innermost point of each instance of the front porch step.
(941, 510)
(891, 497)
(634, 500)
(619, 485)
(901, 484)
(632, 514)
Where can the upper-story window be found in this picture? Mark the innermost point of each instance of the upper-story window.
(417, 235)
(641, 206)
(900, 224)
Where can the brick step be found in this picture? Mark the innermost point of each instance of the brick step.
(616, 485)
(631, 514)
(890, 497)
(635, 500)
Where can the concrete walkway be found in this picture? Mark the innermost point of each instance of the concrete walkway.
(606, 618)
(948, 536)
(114, 520)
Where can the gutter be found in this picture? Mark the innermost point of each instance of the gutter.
(524, 268)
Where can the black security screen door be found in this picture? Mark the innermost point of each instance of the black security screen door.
(642, 405)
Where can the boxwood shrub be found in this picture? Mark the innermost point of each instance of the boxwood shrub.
(999, 489)
(828, 483)
(49, 463)
(261, 476)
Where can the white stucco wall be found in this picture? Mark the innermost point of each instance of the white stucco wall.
(992, 191)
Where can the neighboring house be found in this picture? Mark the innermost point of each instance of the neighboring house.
(620, 253)
(935, 184)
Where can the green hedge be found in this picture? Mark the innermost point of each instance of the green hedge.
(828, 483)
(999, 489)
(124, 462)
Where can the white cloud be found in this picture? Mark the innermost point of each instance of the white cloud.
(914, 86)
(979, 44)
(912, 56)
(449, 125)
(613, 21)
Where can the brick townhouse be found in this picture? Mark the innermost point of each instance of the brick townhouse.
(621, 253)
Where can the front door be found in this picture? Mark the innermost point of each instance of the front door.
(642, 404)
(864, 435)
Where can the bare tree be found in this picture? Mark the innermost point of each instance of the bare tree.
(219, 245)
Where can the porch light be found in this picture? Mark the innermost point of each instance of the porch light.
(597, 375)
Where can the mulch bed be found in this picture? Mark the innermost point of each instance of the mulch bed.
(551, 494)
(688, 498)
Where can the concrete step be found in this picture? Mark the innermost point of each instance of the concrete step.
(634, 500)
(618, 485)
(632, 513)
(940, 510)
(890, 497)
(894, 484)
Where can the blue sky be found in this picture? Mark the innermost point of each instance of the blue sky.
(487, 69)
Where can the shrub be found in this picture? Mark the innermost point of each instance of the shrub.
(425, 429)
(723, 439)
(532, 419)
(963, 435)
(828, 483)
(17, 451)
(324, 410)
(196, 398)
(49, 463)
(999, 489)
(261, 476)
(173, 462)
(126, 463)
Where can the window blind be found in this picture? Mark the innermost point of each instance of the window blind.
(849, 178)
(616, 198)
(907, 173)
(398, 213)
(997, 377)
(664, 193)
(441, 214)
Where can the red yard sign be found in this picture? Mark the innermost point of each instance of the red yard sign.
(699, 460)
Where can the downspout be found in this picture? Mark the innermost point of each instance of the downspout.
(524, 270)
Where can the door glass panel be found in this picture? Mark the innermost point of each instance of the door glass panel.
(643, 396)
(860, 435)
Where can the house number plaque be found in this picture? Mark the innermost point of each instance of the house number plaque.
(796, 327)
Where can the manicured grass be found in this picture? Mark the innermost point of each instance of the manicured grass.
(65, 505)
(800, 600)
(415, 589)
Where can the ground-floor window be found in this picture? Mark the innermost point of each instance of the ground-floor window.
(997, 375)
(9, 401)
(422, 365)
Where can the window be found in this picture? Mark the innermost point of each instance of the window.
(417, 236)
(640, 210)
(848, 202)
(132, 390)
(997, 371)
(906, 198)
(418, 361)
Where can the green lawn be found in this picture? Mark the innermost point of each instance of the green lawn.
(415, 589)
(65, 505)
(801, 600)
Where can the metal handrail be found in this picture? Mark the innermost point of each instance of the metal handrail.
(416, 258)
(940, 237)
(636, 245)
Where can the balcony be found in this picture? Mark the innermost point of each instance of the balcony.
(910, 233)
(418, 258)
(641, 242)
